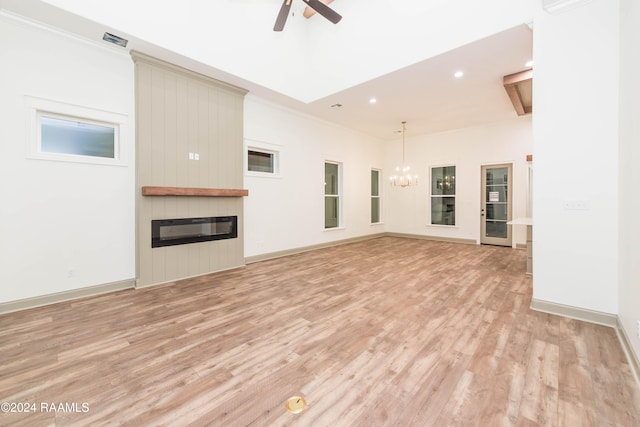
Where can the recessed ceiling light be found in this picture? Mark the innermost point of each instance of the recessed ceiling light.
(529, 63)
(458, 74)
(336, 105)
(373, 101)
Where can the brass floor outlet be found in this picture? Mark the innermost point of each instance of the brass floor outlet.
(296, 404)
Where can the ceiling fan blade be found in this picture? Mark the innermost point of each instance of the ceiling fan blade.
(308, 12)
(282, 15)
(324, 10)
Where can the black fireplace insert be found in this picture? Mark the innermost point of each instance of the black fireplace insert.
(180, 231)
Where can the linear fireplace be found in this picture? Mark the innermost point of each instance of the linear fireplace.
(169, 232)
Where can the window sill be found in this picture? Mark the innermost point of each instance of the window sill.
(335, 228)
(254, 174)
(73, 158)
(442, 226)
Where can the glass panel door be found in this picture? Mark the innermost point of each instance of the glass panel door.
(496, 205)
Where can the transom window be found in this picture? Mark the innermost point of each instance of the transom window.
(75, 136)
(263, 161)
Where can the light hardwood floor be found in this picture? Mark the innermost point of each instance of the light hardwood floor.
(385, 332)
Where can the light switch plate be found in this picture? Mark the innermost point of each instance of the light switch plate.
(576, 205)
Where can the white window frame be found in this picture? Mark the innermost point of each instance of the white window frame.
(379, 197)
(338, 196)
(432, 196)
(263, 147)
(38, 108)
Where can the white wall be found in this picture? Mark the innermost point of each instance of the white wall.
(629, 247)
(575, 128)
(287, 212)
(58, 215)
(408, 209)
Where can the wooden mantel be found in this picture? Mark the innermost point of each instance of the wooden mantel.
(192, 191)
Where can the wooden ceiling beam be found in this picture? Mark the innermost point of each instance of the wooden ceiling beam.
(517, 77)
(511, 83)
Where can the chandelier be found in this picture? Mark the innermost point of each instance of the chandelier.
(403, 177)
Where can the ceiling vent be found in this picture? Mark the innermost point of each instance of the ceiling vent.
(554, 6)
(112, 38)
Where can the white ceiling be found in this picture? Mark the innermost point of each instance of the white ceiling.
(403, 53)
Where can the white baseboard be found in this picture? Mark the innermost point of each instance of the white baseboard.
(632, 357)
(434, 238)
(180, 279)
(597, 317)
(577, 313)
(293, 251)
(23, 304)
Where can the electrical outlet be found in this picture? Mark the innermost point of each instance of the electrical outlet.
(196, 156)
(190, 156)
(638, 331)
(71, 272)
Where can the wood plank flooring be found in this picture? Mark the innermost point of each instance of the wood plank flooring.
(384, 332)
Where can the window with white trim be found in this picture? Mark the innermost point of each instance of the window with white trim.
(64, 135)
(262, 161)
(443, 195)
(65, 132)
(332, 193)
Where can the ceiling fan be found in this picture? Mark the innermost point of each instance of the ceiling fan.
(312, 7)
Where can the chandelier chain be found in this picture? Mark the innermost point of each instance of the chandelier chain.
(403, 178)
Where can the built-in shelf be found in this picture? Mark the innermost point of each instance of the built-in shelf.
(191, 191)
